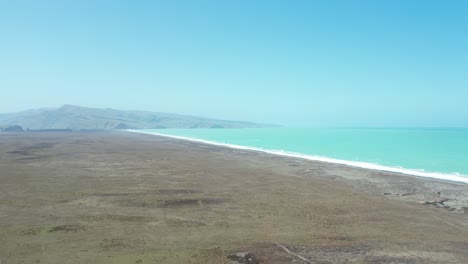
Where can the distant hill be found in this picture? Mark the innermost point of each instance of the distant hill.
(83, 118)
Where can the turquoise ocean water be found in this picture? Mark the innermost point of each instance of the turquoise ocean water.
(437, 153)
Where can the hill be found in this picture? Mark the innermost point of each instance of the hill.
(84, 118)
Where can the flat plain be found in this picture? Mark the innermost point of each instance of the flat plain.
(121, 197)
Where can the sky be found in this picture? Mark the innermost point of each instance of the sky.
(296, 63)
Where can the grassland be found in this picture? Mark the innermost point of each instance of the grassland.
(119, 197)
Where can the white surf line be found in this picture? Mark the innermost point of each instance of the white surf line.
(292, 253)
(356, 164)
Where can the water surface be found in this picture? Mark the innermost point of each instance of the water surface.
(417, 151)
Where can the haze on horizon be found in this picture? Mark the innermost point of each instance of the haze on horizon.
(310, 63)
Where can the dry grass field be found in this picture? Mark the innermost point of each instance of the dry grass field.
(120, 197)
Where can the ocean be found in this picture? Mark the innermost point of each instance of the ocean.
(435, 153)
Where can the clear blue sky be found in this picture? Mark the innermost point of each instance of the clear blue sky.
(315, 63)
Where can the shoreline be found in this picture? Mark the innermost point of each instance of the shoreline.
(450, 178)
(121, 197)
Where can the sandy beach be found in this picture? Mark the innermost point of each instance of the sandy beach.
(121, 197)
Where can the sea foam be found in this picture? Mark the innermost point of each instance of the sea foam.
(455, 177)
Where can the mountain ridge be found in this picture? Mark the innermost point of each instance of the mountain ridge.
(74, 117)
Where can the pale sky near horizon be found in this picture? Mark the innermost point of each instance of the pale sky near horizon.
(312, 63)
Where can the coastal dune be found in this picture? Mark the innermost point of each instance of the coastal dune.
(121, 197)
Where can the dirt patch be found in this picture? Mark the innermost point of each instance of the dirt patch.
(25, 150)
(115, 194)
(314, 171)
(30, 232)
(19, 152)
(338, 238)
(461, 247)
(184, 222)
(363, 252)
(28, 151)
(190, 202)
(272, 253)
(120, 244)
(39, 146)
(114, 244)
(172, 203)
(119, 218)
(68, 228)
(352, 249)
(152, 192)
(82, 142)
(30, 158)
(176, 191)
(210, 256)
(392, 260)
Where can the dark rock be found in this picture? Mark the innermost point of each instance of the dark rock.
(68, 228)
(439, 203)
(243, 258)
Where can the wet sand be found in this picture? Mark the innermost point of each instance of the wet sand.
(120, 197)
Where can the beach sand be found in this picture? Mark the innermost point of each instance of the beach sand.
(121, 197)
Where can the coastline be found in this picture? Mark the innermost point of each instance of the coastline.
(355, 164)
(119, 197)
